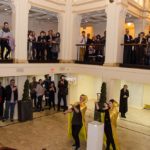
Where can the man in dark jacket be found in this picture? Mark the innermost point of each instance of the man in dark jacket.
(62, 92)
(2, 97)
(124, 94)
(127, 48)
(11, 94)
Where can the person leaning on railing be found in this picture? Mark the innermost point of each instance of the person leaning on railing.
(41, 46)
(4, 40)
(127, 48)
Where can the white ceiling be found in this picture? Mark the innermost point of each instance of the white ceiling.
(44, 15)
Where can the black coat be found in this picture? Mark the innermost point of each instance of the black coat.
(123, 101)
(8, 92)
(2, 95)
(63, 88)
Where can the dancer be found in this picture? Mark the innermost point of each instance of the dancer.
(73, 120)
(110, 124)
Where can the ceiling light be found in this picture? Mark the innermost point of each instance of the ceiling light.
(5, 9)
(129, 23)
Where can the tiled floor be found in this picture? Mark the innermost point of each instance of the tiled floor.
(49, 130)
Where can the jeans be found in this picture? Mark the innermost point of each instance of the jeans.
(9, 110)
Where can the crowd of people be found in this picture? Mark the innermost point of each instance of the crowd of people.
(76, 120)
(91, 49)
(43, 47)
(38, 90)
(136, 50)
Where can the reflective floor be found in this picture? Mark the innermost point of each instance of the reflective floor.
(49, 130)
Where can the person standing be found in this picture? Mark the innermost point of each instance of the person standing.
(49, 38)
(62, 92)
(41, 41)
(4, 40)
(83, 41)
(56, 47)
(127, 48)
(124, 95)
(76, 123)
(33, 85)
(40, 90)
(52, 91)
(2, 97)
(11, 94)
(46, 85)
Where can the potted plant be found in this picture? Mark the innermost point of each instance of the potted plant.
(101, 101)
(25, 111)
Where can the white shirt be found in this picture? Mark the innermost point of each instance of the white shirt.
(4, 34)
(83, 40)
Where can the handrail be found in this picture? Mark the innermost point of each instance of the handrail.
(133, 44)
(90, 44)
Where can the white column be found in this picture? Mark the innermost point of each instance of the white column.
(20, 27)
(116, 14)
(69, 27)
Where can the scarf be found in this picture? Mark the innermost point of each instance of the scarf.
(5, 29)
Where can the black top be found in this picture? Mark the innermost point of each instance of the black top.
(77, 117)
(63, 88)
(8, 92)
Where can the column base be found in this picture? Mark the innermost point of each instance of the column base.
(20, 61)
(66, 61)
(111, 64)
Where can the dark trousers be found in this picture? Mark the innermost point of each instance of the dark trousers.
(54, 55)
(39, 103)
(1, 110)
(33, 98)
(75, 133)
(64, 101)
(49, 53)
(127, 54)
(5, 44)
(9, 110)
(40, 53)
(51, 101)
(109, 137)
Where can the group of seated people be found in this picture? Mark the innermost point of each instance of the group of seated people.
(91, 49)
(43, 47)
(7, 42)
(136, 50)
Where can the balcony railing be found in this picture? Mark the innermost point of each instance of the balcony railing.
(90, 54)
(43, 52)
(136, 55)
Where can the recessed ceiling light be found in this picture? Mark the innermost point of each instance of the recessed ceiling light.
(5, 9)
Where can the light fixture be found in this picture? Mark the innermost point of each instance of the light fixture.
(5, 9)
(129, 23)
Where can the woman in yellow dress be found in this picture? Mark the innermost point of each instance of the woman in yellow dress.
(110, 125)
(83, 108)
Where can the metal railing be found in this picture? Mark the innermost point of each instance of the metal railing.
(90, 53)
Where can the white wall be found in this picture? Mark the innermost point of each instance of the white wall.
(38, 26)
(88, 85)
(99, 28)
(5, 17)
(34, 24)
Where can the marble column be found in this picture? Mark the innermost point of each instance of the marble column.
(20, 10)
(69, 27)
(116, 14)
